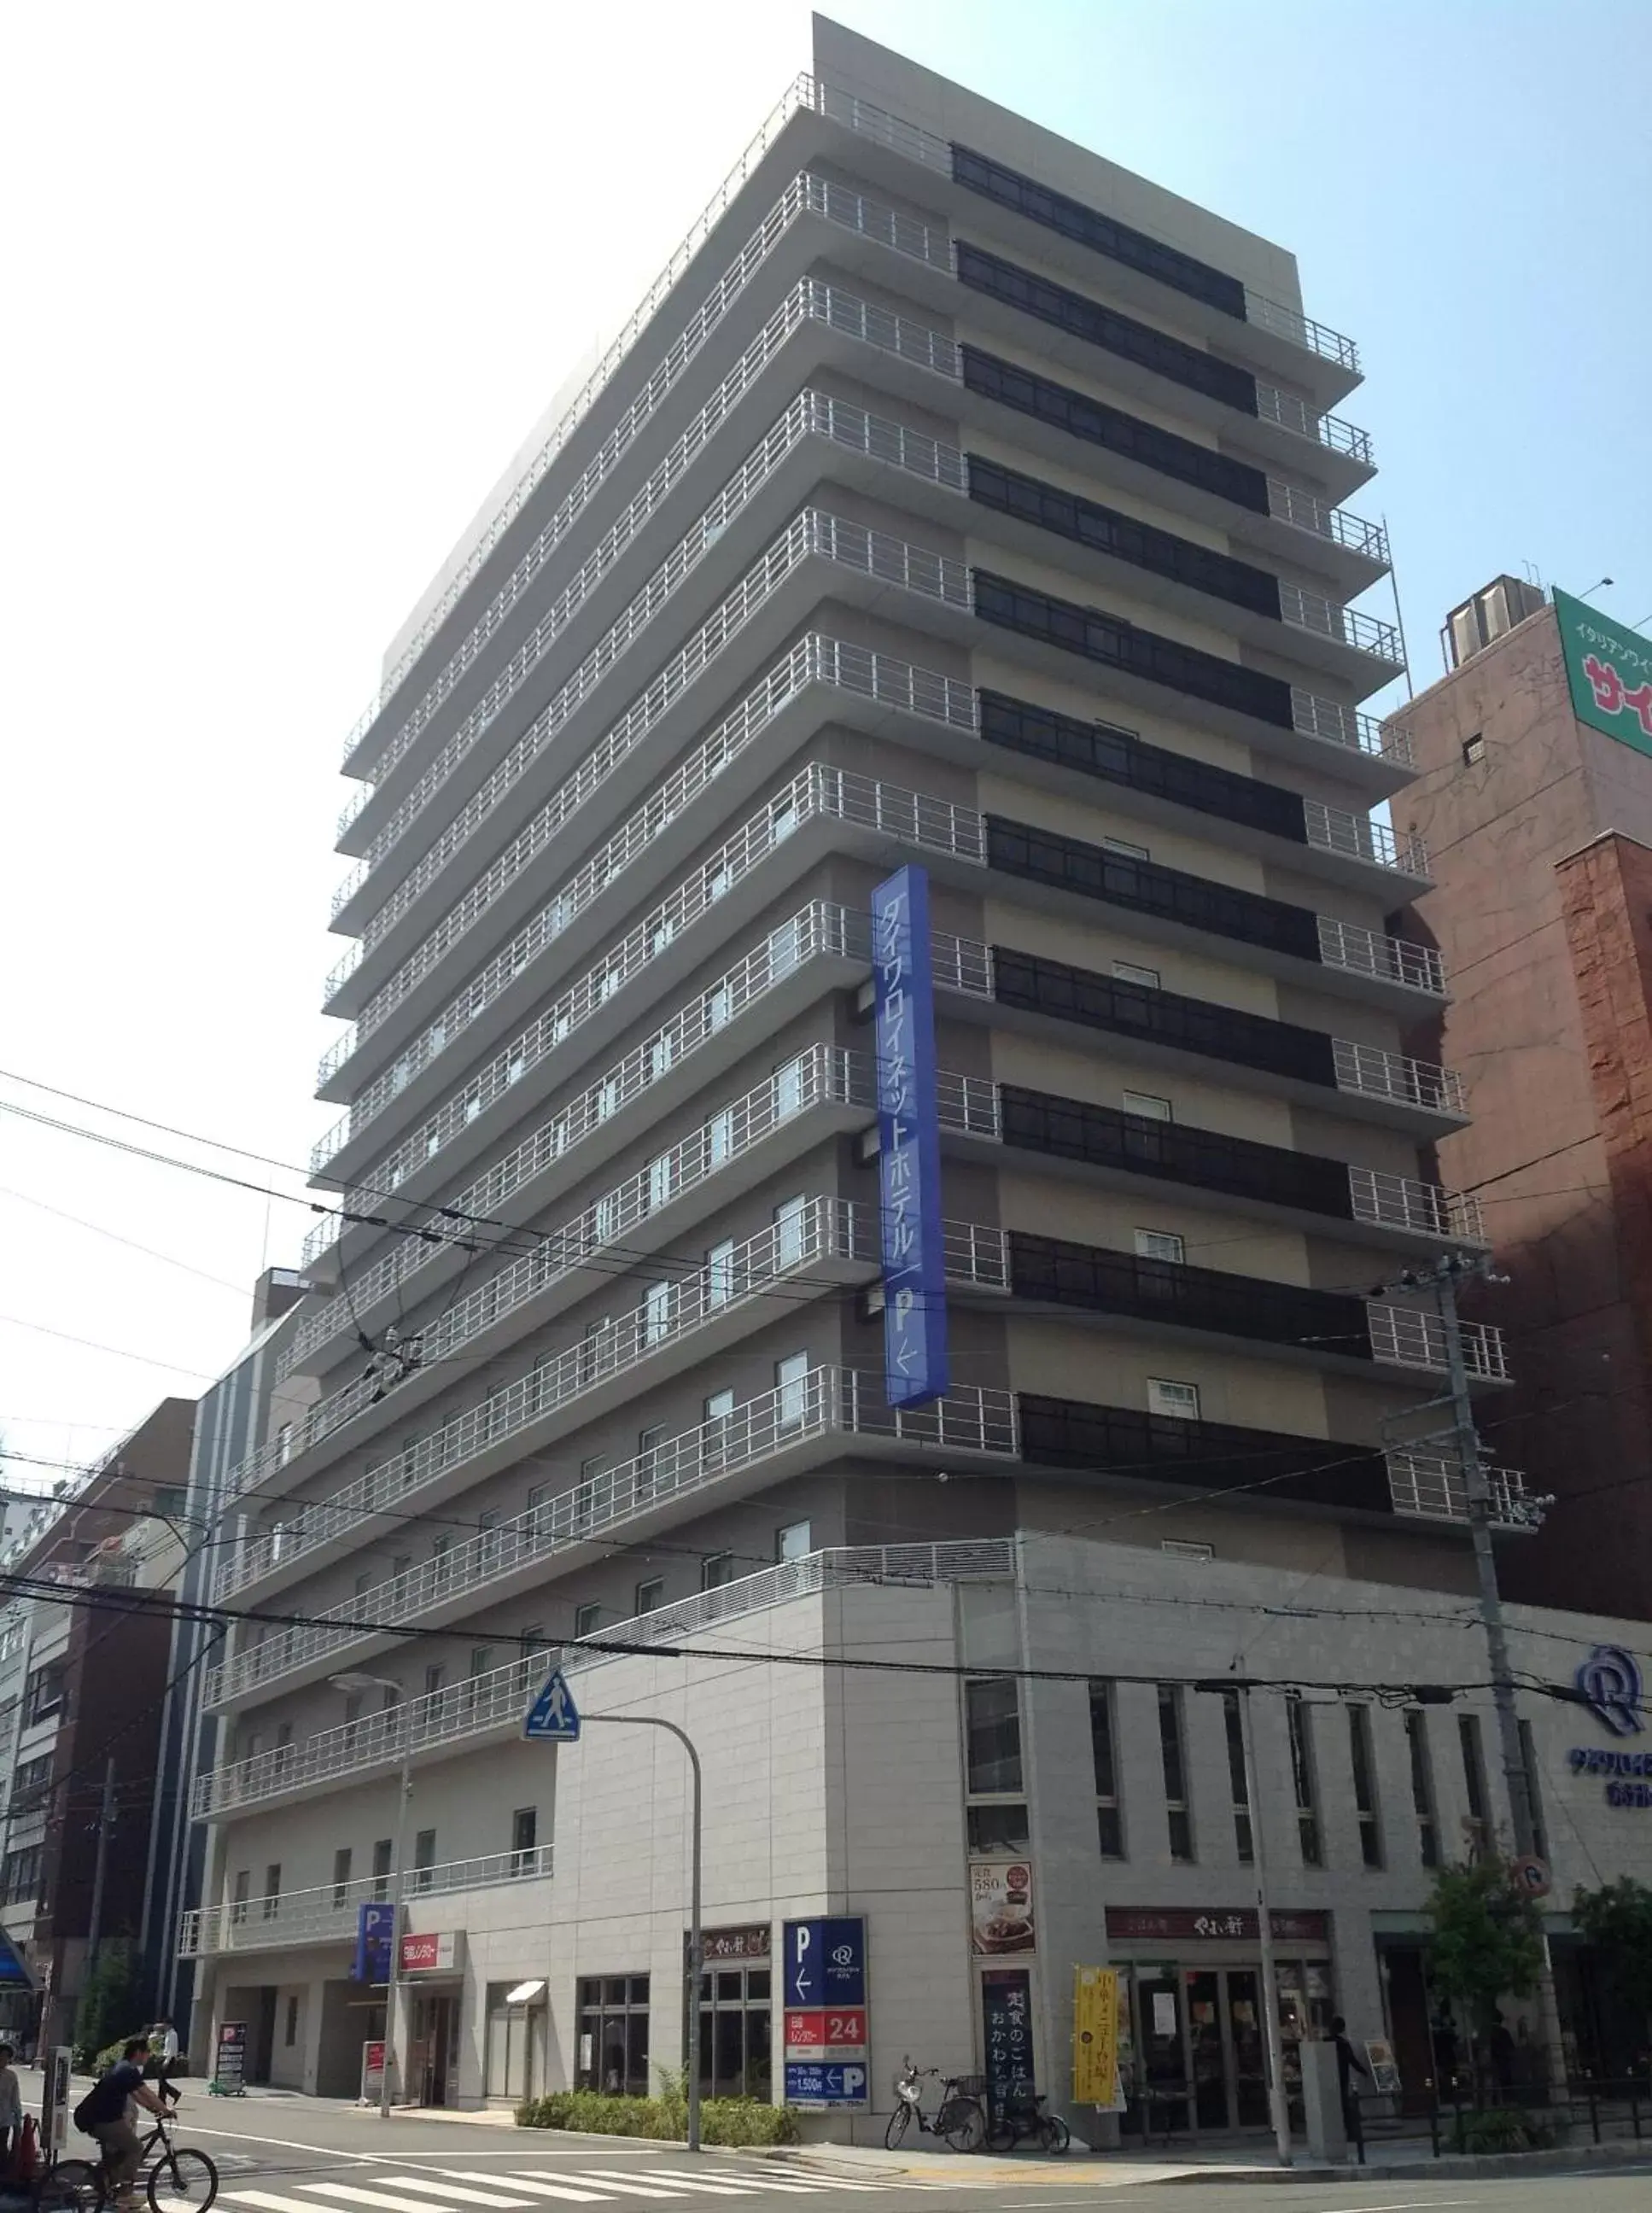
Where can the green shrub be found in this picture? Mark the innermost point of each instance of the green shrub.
(1502, 2128)
(733, 2121)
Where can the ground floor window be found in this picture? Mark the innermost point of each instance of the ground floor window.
(613, 2050)
(1198, 2041)
(736, 2038)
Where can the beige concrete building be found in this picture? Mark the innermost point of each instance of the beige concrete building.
(953, 498)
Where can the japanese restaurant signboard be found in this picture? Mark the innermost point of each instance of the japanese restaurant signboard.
(1152, 1924)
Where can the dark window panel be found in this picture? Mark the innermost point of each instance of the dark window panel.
(1106, 327)
(1115, 644)
(1127, 435)
(1072, 1433)
(1078, 994)
(1114, 755)
(1095, 1278)
(1145, 887)
(1073, 1129)
(1087, 226)
(1087, 523)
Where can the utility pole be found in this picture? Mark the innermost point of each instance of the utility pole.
(1278, 2104)
(106, 1829)
(1477, 1493)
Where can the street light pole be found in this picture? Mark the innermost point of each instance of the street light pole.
(692, 1977)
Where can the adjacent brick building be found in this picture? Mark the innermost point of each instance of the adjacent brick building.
(1538, 825)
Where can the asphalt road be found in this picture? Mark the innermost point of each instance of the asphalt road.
(302, 2155)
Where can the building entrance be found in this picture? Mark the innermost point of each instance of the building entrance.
(1202, 2049)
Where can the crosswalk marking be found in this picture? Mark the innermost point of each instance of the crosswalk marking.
(452, 2190)
(754, 2181)
(710, 2189)
(267, 2201)
(634, 2189)
(382, 2202)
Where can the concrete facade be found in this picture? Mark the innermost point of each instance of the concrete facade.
(953, 499)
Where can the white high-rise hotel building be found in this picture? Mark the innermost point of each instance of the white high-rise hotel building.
(954, 498)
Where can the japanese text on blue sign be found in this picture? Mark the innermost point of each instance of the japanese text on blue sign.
(909, 1142)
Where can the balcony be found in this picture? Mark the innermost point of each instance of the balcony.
(328, 1914)
(772, 974)
(1370, 1072)
(886, 445)
(1304, 510)
(776, 1434)
(1329, 431)
(1359, 633)
(825, 1235)
(1403, 1202)
(1362, 952)
(493, 1705)
(816, 794)
(1356, 837)
(1431, 1488)
(624, 1222)
(1406, 1336)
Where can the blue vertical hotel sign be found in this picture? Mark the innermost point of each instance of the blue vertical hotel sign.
(909, 1142)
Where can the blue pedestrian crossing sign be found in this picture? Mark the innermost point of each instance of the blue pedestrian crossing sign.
(553, 1718)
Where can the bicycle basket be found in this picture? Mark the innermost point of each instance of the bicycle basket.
(970, 2086)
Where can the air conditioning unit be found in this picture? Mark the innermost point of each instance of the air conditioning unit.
(1479, 622)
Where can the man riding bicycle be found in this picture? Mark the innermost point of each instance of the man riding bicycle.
(105, 2113)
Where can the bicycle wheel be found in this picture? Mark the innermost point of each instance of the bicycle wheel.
(963, 2125)
(1000, 2137)
(73, 2185)
(899, 2121)
(1053, 2133)
(183, 2182)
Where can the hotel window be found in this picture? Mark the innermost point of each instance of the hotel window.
(1109, 1819)
(1161, 1245)
(720, 1273)
(791, 1377)
(1126, 851)
(789, 1232)
(656, 1313)
(1239, 1784)
(381, 1852)
(1129, 971)
(788, 1089)
(1468, 1735)
(792, 1541)
(1179, 1401)
(1148, 1106)
(1299, 1730)
(1173, 1754)
(588, 1619)
(1528, 1761)
(612, 2045)
(717, 1569)
(1365, 1802)
(1428, 1826)
(650, 1594)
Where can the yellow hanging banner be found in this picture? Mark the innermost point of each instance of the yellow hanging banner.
(1095, 2037)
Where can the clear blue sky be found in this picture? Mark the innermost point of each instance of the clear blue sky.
(291, 288)
(1467, 187)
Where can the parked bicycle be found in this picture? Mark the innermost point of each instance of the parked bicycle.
(960, 2118)
(1018, 2114)
(179, 2181)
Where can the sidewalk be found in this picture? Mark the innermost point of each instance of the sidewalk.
(1120, 2171)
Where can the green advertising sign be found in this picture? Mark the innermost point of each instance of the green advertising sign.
(1609, 672)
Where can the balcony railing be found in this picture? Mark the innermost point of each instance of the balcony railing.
(810, 299)
(1291, 413)
(1290, 323)
(484, 1705)
(1393, 959)
(816, 792)
(826, 1402)
(1303, 511)
(1312, 611)
(819, 930)
(1335, 830)
(1432, 1487)
(813, 414)
(1377, 1074)
(1406, 1336)
(819, 1231)
(1334, 725)
(552, 1142)
(328, 1914)
(821, 1076)
(1397, 1202)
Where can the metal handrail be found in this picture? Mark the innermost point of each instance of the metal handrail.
(1406, 1203)
(822, 1229)
(827, 1400)
(815, 790)
(327, 1913)
(816, 931)
(1301, 330)
(1379, 1074)
(821, 1076)
(1304, 510)
(1336, 725)
(1408, 1337)
(1364, 951)
(812, 414)
(1433, 1487)
(1326, 618)
(1289, 413)
(482, 1705)
(1335, 830)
